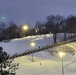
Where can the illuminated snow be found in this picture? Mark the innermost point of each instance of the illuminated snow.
(44, 62)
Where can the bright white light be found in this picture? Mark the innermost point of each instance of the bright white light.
(61, 54)
(32, 44)
(25, 27)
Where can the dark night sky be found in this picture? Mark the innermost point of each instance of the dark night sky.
(31, 11)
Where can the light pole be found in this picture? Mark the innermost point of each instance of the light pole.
(25, 27)
(61, 55)
(33, 45)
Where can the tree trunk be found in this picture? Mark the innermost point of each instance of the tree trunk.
(54, 37)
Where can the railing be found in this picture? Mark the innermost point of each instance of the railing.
(40, 49)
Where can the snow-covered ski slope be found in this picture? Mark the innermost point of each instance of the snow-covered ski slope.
(22, 44)
(44, 62)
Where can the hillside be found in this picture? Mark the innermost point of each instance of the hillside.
(44, 63)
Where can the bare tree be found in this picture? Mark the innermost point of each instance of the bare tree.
(54, 24)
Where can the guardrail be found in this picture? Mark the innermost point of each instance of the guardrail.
(40, 49)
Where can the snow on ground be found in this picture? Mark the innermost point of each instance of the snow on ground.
(22, 44)
(44, 62)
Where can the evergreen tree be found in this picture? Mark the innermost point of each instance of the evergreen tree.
(7, 67)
